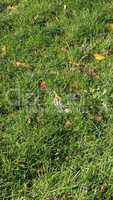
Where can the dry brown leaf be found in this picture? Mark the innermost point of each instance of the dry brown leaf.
(99, 57)
(67, 124)
(12, 8)
(42, 85)
(104, 188)
(98, 118)
(21, 64)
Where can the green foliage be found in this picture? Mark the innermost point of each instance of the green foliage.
(47, 153)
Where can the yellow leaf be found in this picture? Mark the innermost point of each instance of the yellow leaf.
(99, 57)
(110, 26)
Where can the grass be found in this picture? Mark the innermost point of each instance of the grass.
(47, 153)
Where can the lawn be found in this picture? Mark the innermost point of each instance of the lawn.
(56, 104)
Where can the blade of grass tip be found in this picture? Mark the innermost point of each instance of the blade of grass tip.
(97, 129)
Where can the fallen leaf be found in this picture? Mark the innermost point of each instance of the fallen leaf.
(97, 77)
(21, 64)
(99, 57)
(12, 8)
(110, 26)
(67, 124)
(104, 188)
(98, 118)
(42, 85)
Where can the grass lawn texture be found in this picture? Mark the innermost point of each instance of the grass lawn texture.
(56, 102)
